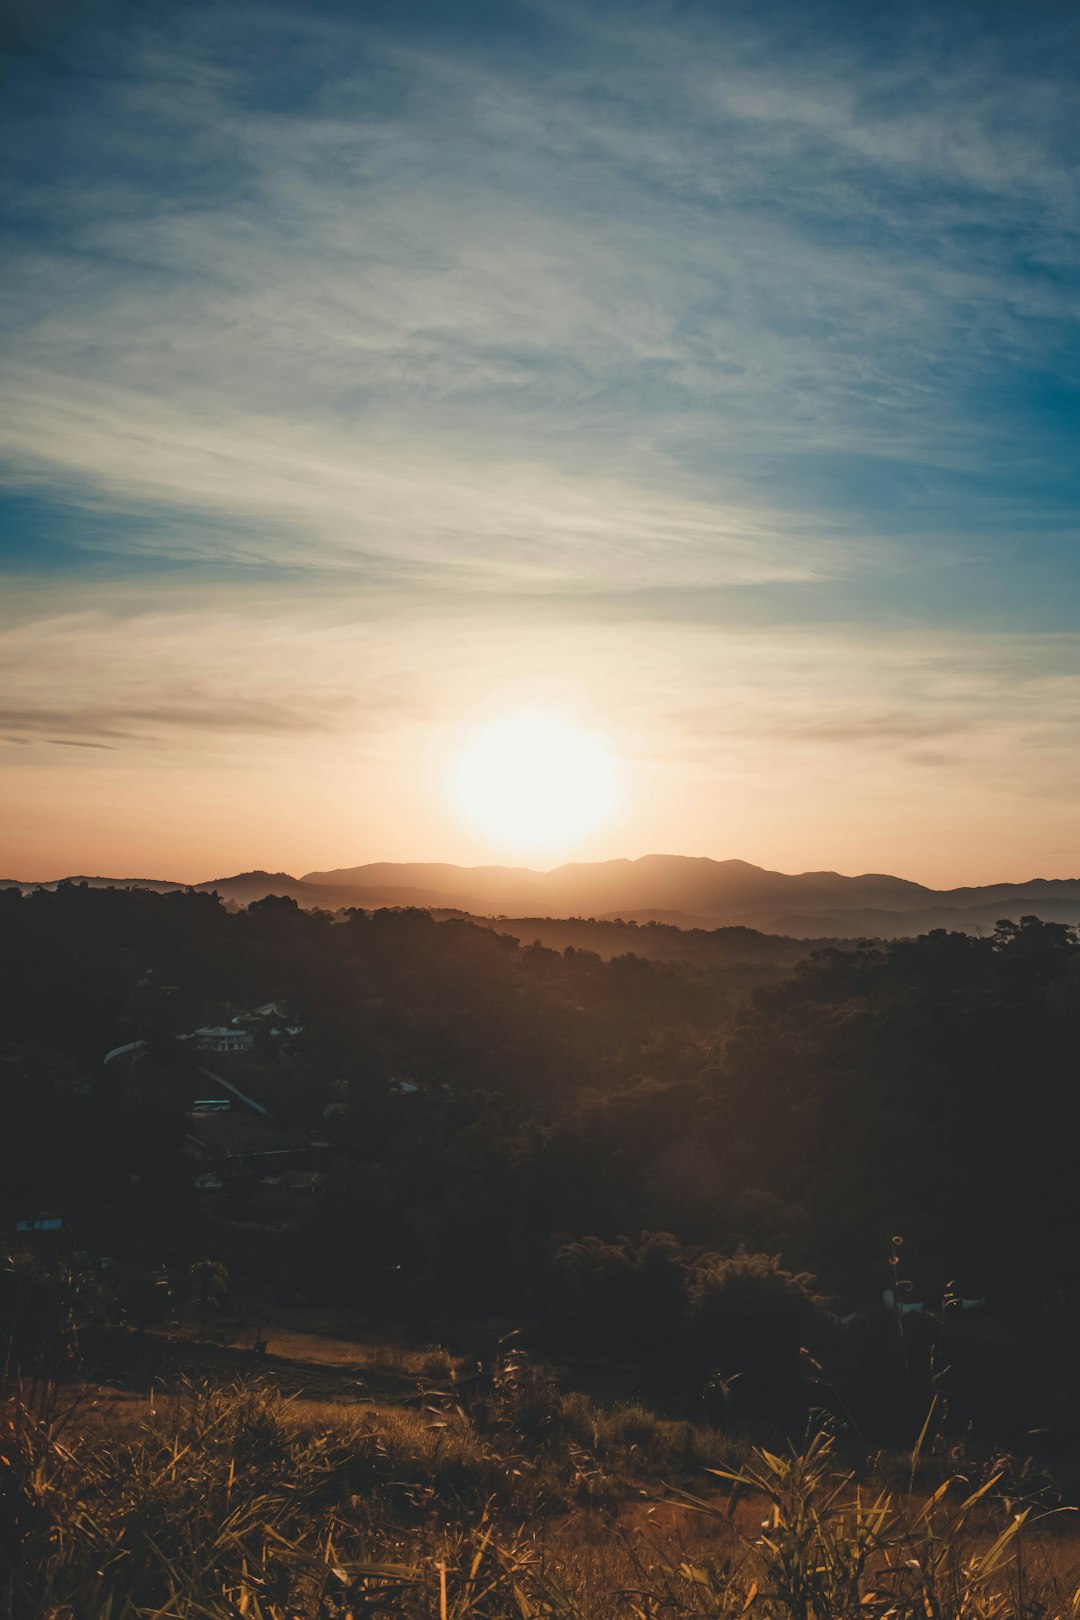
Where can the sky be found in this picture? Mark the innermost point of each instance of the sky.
(707, 375)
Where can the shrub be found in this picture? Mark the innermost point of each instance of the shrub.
(628, 1298)
(750, 1321)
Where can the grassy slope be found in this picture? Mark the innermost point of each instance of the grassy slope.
(392, 1483)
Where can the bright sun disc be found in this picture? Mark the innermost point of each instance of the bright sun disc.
(534, 779)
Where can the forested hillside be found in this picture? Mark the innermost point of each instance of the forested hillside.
(632, 1158)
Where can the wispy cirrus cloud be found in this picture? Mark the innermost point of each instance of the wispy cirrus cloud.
(491, 310)
(309, 496)
(133, 673)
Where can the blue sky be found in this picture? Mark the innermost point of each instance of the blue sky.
(710, 370)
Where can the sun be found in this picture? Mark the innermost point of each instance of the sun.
(535, 779)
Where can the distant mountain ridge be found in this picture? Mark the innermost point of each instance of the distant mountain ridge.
(691, 891)
(696, 890)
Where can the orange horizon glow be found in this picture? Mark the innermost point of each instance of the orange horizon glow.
(114, 854)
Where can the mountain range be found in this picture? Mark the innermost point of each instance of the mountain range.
(688, 891)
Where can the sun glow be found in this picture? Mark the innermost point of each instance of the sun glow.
(536, 780)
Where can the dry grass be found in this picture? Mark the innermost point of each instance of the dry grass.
(215, 1503)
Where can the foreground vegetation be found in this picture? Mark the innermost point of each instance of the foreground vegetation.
(839, 1205)
(225, 1503)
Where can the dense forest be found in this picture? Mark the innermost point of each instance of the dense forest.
(711, 1172)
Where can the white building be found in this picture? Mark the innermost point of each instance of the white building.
(222, 1039)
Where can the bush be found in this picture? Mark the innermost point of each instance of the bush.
(750, 1322)
(628, 1298)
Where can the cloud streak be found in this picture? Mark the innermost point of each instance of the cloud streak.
(532, 322)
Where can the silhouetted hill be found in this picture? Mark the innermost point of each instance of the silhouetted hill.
(658, 940)
(715, 893)
(689, 891)
(245, 887)
(158, 885)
